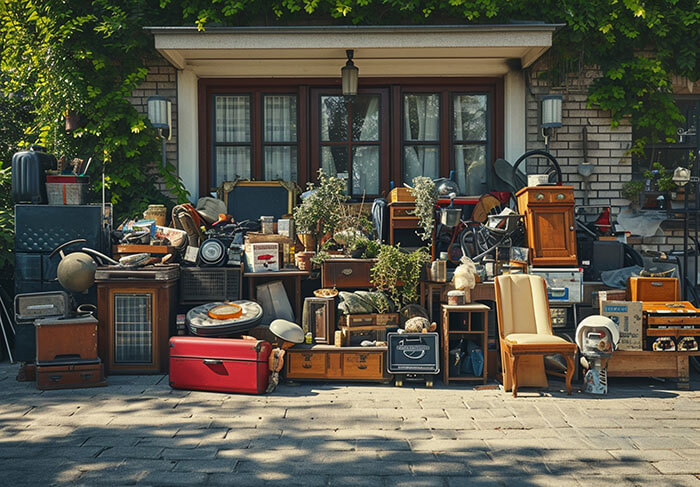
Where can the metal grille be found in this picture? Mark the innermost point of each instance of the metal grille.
(202, 285)
(133, 328)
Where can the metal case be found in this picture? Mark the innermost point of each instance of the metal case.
(31, 306)
(413, 353)
(564, 286)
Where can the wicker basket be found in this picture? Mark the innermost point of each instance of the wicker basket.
(207, 284)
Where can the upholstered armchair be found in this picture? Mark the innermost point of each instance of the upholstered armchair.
(525, 332)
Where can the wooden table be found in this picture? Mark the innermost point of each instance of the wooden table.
(472, 327)
(283, 275)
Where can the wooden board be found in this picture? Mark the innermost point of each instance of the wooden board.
(124, 249)
(674, 365)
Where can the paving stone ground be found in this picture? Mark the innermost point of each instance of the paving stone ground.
(140, 431)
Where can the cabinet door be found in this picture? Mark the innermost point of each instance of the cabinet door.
(552, 233)
(132, 328)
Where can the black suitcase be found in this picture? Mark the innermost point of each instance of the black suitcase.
(29, 175)
(413, 353)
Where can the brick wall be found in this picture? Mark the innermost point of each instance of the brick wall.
(160, 80)
(607, 149)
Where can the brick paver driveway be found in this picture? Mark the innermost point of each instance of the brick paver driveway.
(139, 431)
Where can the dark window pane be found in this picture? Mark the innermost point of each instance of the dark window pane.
(334, 119)
(280, 117)
(365, 118)
(365, 170)
(469, 117)
(420, 160)
(421, 115)
(470, 169)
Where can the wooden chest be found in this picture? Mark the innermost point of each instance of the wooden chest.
(323, 362)
(347, 273)
(370, 319)
(664, 289)
(66, 339)
(70, 376)
(549, 224)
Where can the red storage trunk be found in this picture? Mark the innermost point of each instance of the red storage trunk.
(219, 364)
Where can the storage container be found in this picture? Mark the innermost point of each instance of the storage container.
(267, 224)
(219, 364)
(31, 306)
(67, 190)
(564, 285)
(29, 175)
(413, 353)
(66, 339)
(71, 375)
(653, 289)
(402, 195)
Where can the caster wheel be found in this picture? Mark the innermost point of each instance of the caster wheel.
(428, 383)
(398, 383)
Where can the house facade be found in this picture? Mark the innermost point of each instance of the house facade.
(265, 103)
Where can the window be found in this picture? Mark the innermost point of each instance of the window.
(243, 151)
(674, 154)
(432, 149)
(392, 130)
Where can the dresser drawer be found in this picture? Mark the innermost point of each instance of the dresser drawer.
(359, 365)
(307, 364)
(347, 273)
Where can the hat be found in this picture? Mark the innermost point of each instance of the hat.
(210, 208)
(287, 331)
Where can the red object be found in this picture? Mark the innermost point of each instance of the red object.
(68, 179)
(219, 364)
(603, 221)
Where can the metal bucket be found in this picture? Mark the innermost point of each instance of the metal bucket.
(450, 216)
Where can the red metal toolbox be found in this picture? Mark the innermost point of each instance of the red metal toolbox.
(219, 364)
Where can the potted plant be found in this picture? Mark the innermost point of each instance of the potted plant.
(425, 193)
(320, 210)
(398, 273)
(632, 191)
(364, 248)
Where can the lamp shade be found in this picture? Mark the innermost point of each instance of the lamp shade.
(551, 111)
(349, 75)
(159, 112)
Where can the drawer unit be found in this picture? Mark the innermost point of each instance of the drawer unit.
(370, 319)
(663, 289)
(323, 362)
(347, 273)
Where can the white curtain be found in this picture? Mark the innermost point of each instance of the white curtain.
(365, 159)
(469, 112)
(232, 125)
(280, 120)
(421, 123)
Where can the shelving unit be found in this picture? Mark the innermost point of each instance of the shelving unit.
(471, 321)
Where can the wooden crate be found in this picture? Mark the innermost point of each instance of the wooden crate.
(401, 195)
(660, 289)
(370, 319)
(674, 365)
(323, 362)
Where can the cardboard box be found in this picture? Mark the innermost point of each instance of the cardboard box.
(610, 295)
(262, 257)
(627, 315)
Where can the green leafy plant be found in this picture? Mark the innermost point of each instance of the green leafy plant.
(631, 191)
(661, 177)
(321, 212)
(7, 223)
(398, 273)
(424, 191)
(364, 248)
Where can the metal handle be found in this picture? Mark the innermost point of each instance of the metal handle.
(211, 361)
(362, 366)
(66, 244)
(346, 272)
(306, 366)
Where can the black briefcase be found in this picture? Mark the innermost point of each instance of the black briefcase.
(413, 353)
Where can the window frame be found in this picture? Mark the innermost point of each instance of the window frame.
(391, 110)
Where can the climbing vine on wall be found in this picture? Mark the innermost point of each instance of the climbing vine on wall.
(88, 56)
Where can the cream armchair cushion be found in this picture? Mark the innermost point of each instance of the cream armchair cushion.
(534, 339)
(523, 305)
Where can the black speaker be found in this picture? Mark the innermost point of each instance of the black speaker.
(212, 253)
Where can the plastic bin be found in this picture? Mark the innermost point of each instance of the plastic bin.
(67, 190)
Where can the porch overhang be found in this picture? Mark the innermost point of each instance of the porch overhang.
(380, 51)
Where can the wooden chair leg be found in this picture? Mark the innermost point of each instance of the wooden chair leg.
(514, 372)
(569, 371)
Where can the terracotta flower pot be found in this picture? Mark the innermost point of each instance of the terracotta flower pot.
(308, 241)
(303, 260)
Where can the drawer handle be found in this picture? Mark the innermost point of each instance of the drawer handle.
(362, 366)
(346, 272)
(55, 378)
(657, 284)
(86, 377)
(211, 361)
(306, 366)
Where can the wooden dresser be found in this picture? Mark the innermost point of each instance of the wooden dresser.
(549, 224)
(324, 362)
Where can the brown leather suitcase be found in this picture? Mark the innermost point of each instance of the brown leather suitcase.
(661, 289)
(66, 339)
(70, 376)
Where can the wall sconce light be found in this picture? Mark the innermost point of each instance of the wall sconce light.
(550, 114)
(160, 115)
(681, 176)
(349, 74)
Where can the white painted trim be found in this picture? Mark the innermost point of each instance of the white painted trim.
(515, 117)
(188, 132)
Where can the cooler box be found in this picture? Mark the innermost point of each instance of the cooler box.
(564, 285)
(219, 364)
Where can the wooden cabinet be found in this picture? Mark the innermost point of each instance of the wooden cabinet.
(461, 323)
(347, 273)
(136, 313)
(401, 217)
(549, 224)
(318, 318)
(322, 362)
